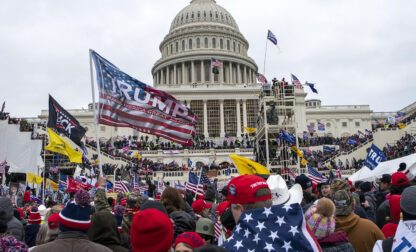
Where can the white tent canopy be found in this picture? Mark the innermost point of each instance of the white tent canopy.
(386, 167)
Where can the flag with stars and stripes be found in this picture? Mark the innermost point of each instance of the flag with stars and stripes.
(338, 174)
(261, 78)
(120, 186)
(296, 82)
(127, 102)
(192, 182)
(314, 175)
(276, 228)
(203, 180)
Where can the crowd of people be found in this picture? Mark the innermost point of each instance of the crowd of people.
(403, 147)
(254, 212)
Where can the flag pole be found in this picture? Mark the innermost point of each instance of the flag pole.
(95, 117)
(44, 173)
(264, 65)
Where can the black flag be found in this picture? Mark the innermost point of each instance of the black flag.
(64, 122)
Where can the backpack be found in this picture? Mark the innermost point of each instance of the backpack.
(387, 244)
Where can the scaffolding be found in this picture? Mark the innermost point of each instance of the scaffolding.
(277, 114)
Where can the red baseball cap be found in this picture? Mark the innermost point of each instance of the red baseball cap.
(200, 205)
(222, 207)
(241, 190)
(399, 178)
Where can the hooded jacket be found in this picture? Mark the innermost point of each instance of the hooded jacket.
(14, 226)
(31, 231)
(103, 230)
(361, 233)
(335, 242)
(183, 222)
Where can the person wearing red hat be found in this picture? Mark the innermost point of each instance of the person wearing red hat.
(32, 228)
(188, 241)
(201, 208)
(399, 182)
(389, 229)
(151, 230)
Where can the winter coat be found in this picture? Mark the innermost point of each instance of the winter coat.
(183, 222)
(337, 241)
(189, 210)
(31, 231)
(103, 230)
(100, 201)
(382, 212)
(14, 226)
(71, 241)
(26, 196)
(361, 233)
(20, 202)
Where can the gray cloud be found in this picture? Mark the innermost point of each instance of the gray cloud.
(357, 52)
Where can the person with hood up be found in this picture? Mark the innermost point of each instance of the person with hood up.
(361, 233)
(8, 242)
(405, 237)
(103, 230)
(14, 226)
(74, 222)
(262, 226)
(32, 227)
(321, 221)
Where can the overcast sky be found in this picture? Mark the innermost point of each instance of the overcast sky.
(357, 52)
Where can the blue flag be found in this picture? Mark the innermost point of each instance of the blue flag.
(351, 141)
(312, 86)
(328, 148)
(374, 157)
(287, 137)
(271, 37)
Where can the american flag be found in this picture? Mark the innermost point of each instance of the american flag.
(271, 37)
(63, 182)
(290, 173)
(216, 63)
(311, 128)
(261, 78)
(296, 82)
(338, 174)
(134, 184)
(218, 230)
(179, 186)
(276, 228)
(144, 188)
(120, 186)
(126, 102)
(315, 175)
(321, 126)
(192, 182)
(203, 180)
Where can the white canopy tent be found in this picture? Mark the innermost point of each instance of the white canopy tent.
(386, 167)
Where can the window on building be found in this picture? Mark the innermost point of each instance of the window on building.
(252, 109)
(199, 14)
(234, 46)
(228, 45)
(214, 43)
(198, 43)
(190, 44)
(205, 14)
(239, 48)
(213, 109)
(197, 108)
(183, 45)
(192, 16)
(177, 47)
(210, 14)
(357, 124)
(206, 42)
(328, 125)
(344, 124)
(207, 68)
(221, 44)
(230, 119)
(216, 15)
(198, 71)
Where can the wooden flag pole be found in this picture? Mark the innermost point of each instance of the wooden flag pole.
(95, 117)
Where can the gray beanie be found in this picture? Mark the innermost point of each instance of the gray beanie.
(407, 202)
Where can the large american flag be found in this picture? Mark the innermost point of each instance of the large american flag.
(314, 175)
(261, 78)
(192, 183)
(126, 102)
(120, 186)
(203, 180)
(296, 82)
(276, 228)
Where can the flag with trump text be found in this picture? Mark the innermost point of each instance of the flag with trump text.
(63, 122)
(127, 102)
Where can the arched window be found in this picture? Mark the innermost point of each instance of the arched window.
(205, 14)
(210, 14)
(239, 48)
(199, 14)
(177, 46)
(234, 46)
(216, 15)
(192, 16)
(198, 43)
(190, 44)
(214, 43)
(221, 44)
(183, 45)
(206, 42)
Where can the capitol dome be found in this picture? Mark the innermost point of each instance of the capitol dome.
(200, 11)
(223, 96)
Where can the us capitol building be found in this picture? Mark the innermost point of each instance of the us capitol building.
(225, 101)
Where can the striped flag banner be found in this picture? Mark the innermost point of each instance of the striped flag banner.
(296, 82)
(314, 175)
(338, 174)
(218, 230)
(192, 182)
(126, 102)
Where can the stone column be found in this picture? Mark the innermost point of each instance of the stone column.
(174, 75)
(245, 113)
(183, 73)
(193, 72)
(162, 72)
(206, 133)
(168, 76)
(157, 78)
(230, 73)
(222, 129)
(245, 74)
(239, 80)
(202, 72)
(237, 105)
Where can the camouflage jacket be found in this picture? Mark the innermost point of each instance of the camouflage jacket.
(100, 201)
